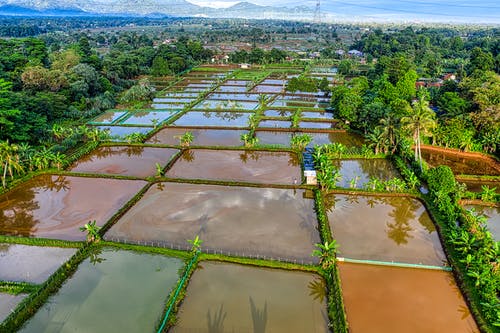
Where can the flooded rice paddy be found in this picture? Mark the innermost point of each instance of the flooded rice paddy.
(120, 132)
(126, 161)
(201, 137)
(123, 292)
(234, 298)
(233, 165)
(33, 264)
(56, 206)
(391, 229)
(356, 173)
(492, 214)
(461, 164)
(8, 303)
(394, 300)
(213, 119)
(243, 220)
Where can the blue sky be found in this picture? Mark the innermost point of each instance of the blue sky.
(443, 10)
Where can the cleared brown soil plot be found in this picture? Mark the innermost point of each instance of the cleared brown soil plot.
(233, 298)
(56, 206)
(202, 137)
(246, 221)
(384, 228)
(392, 299)
(245, 166)
(129, 161)
(30, 263)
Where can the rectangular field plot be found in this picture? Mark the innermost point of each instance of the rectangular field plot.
(231, 165)
(227, 88)
(316, 125)
(213, 119)
(202, 137)
(120, 132)
(276, 223)
(274, 138)
(267, 89)
(461, 163)
(277, 113)
(317, 114)
(108, 117)
(234, 97)
(347, 139)
(394, 300)
(357, 173)
(225, 105)
(33, 264)
(126, 161)
(123, 293)
(175, 100)
(275, 124)
(249, 299)
(391, 229)
(8, 303)
(57, 206)
(147, 118)
(492, 215)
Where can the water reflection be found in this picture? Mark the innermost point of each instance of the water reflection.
(259, 317)
(216, 324)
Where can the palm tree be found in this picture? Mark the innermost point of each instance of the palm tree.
(9, 160)
(186, 139)
(420, 122)
(389, 132)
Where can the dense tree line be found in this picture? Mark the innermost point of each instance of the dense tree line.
(39, 87)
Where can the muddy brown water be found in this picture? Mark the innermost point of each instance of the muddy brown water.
(120, 292)
(126, 161)
(231, 165)
(57, 206)
(461, 164)
(34, 264)
(394, 300)
(8, 303)
(202, 137)
(493, 218)
(357, 173)
(278, 223)
(384, 228)
(234, 298)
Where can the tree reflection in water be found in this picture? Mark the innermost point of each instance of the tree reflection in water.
(216, 324)
(259, 317)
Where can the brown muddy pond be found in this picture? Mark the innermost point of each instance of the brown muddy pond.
(202, 137)
(236, 298)
(232, 165)
(493, 216)
(57, 206)
(108, 117)
(357, 173)
(126, 161)
(394, 300)
(8, 303)
(34, 264)
(277, 223)
(392, 229)
(461, 164)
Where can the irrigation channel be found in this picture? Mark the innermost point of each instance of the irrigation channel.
(257, 218)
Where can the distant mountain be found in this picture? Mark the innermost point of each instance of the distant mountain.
(155, 8)
(11, 10)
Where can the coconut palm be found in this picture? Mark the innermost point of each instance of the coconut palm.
(420, 122)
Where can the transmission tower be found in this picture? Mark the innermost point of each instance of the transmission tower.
(317, 12)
